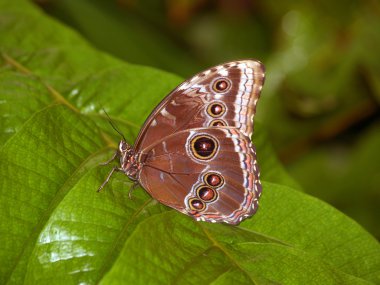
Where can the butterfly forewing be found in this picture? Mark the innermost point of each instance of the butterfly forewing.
(225, 95)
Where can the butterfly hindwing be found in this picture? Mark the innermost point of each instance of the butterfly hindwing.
(210, 174)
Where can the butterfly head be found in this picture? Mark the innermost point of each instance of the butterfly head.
(124, 147)
(125, 152)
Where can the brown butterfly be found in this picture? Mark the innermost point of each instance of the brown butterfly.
(194, 152)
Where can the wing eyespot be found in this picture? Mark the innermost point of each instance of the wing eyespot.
(213, 179)
(221, 85)
(217, 123)
(206, 194)
(203, 147)
(196, 204)
(216, 109)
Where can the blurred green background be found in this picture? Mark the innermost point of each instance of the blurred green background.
(320, 102)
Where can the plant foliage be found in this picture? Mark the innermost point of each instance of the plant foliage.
(56, 229)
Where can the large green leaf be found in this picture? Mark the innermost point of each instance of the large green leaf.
(56, 229)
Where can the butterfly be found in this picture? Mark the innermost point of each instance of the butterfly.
(194, 151)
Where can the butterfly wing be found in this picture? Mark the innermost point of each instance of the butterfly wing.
(210, 174)
(225, 95)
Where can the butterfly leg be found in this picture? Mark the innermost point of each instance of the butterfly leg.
(108, 178)
(111, 159)
(133, 187)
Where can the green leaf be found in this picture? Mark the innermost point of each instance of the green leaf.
(306, 250)
(56, 229)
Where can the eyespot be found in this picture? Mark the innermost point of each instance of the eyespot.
(213, 179)
(196, 204)
(203, 146)
(206, 194)
(221, 85)
(216, 109)
(217, 123)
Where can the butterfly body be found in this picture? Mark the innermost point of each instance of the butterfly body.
(194, 152)
(129, 162)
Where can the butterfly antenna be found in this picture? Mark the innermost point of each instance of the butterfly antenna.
(114, 126)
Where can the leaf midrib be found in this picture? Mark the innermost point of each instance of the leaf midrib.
(225, 251)
(57, 97)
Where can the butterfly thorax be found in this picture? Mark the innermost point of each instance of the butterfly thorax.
(128, 160)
